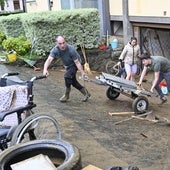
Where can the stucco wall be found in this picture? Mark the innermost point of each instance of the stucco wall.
(9, 5)
(115, 7)
(158, 8)
(37, 6)
(56, 5)
(42, 5)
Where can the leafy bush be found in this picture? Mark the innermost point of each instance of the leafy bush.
(79, 26)
(2, 37)
(12, 25)
(20, 44)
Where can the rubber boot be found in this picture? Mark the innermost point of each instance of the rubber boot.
(65, 97)
(85, 93)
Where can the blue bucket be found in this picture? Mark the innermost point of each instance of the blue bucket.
(114, 44)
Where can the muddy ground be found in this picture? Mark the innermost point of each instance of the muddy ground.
(90, 127)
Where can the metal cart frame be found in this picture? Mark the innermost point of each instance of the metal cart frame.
(128, 88)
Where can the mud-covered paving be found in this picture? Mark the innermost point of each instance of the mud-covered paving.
(90, 127)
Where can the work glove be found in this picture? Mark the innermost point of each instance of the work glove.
(85, 76)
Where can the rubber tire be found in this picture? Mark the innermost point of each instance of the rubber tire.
(111, 93)
(140, 104)
(56, 150)
(109, 66)
(28, 121)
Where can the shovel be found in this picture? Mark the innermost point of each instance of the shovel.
(31, 63)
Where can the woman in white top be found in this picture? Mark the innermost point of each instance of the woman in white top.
(130, 55)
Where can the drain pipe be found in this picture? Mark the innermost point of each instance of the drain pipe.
(50, 4)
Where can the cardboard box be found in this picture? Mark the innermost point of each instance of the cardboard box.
(39, 162)
(91, 167)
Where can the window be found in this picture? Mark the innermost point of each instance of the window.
(86, 3)
(65, 4)
(30, 1)
(70, 4)
(16, 5)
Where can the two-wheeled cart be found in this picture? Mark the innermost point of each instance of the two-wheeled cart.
(128, 88)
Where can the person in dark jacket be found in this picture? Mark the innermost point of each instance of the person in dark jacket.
(72, 63)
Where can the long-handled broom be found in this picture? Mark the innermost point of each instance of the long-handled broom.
(86, 65)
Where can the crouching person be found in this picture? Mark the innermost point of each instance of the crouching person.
(161, 68)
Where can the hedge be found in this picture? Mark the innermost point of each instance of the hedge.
(79, 26)
(12, 25)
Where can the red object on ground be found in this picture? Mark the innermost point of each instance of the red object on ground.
(103, 47)
(163, 83)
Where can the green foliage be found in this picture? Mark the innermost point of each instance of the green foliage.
(12, 25)
(2, 37)
(79, 26)
(5, 13)
(20, 44)
(1, 24)
(2, 3)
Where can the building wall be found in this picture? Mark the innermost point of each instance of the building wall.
(9, 5)
(42, 5)
(148, 20)
(115, 7)
(158, 8)
(37, 6)
(56, 5)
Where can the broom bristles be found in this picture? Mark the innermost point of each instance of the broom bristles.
(87, 69)
(86, 65)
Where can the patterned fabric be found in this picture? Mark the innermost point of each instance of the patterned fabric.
(12, 97)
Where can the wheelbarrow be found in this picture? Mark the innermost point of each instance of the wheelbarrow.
(128, 88)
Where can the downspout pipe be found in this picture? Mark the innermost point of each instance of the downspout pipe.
(127, 26)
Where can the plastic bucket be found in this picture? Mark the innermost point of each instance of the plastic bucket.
(163, 87)
(12, 57)
(114, 44)
(164, 90)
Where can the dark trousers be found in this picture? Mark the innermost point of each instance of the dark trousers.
(70, 78)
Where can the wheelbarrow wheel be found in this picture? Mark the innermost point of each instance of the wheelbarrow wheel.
(140, 104)
(112, 93)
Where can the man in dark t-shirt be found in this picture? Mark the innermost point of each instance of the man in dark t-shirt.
(72, 62)
(161, 67)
